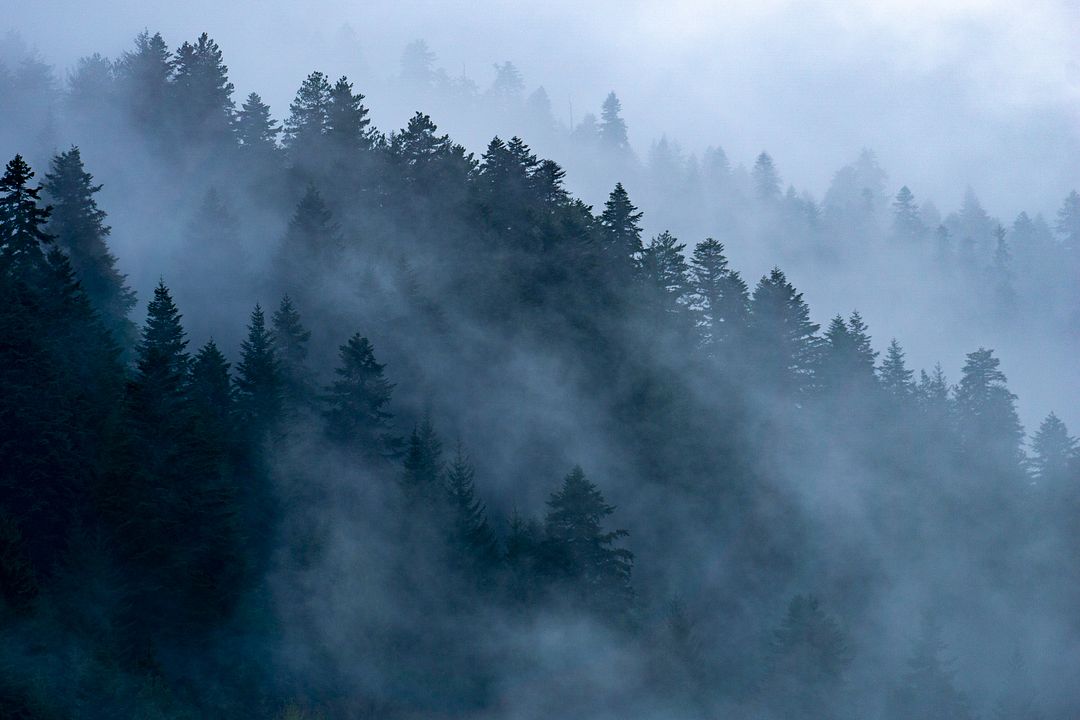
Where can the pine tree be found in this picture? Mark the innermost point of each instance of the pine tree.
(312, 244)
(356, 402)
(472, 541)
(309, 114)
(291, 345)
(1055, 453)
(894, 375)
(932, 394)
(421, 481)
(784, 342)
(211, 398)
(612, 128)
(808, 659)
(347, 118)
(907, 223)
(662, 267)
(928, 690)
(145, 76)
(1068, 225)
(621, 222)
(720, 295)
(80, 230)
(203, 92)
(986, 410)
(255, 128)
(766, 179)
(258, 379)
(581, 551)
(23, 238)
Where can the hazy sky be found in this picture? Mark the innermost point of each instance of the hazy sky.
(981, 93)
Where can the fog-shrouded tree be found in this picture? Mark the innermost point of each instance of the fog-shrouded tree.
(766, 178)
(621, 222)
(23, 222)
(347, 122)
(309, 115)
(894, 375)
(907, 221)
(202, 91)
(256, 129)
(1055, 453)
(986, 411)
(291, 339)
(612, 127)
(720, 295)
(258, 382)
(784, 339)
(928, 688)
(356, 403)
(78, 225)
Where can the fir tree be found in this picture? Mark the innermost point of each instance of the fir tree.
(23, 238)
(255, 128)
(989, 426)
(471, 539)
(203, 91)
(581, 551)
(418, 63)
(1068, 225)
(783, 337)
(662, 267)
(612, 128)
(895, 377)
(309, 113)
(1055, 452)
(291, 345)
(347, 118)
(145, 74)
(423, 463)
(621, 223)
(720, 295)
(258, 379)
(356, 402)
(80, 230)
(766, 179)
(907, 223)
(928, 690)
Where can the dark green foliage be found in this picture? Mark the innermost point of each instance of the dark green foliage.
(894, 376)
(612, 127)
(23, 237)
(421, 482)
(472, 542)
(78, 225)
(309, 114)
(720, 295)
(783, 336)
(621, 222)
(1055, 453)
(291, 347)
(986, 411)
(202, 91)
(256, 130)
(258, 383)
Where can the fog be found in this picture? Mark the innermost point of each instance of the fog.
(804, 522)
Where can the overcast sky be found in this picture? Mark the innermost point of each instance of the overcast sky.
(981, 93)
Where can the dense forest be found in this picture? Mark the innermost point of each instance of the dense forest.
(401, 430)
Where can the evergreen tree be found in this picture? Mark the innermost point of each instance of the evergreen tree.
(808, 660)
(932, 394)
(989, 426)
(291, 346)
(894, 375)
(928, 690)
(422, 479)
(581, 551)
(23, 238)
(211, 399)
(255, 128)
(356, 402)
(766, 179)
(1055, 453)
(507, 86)
(347, 118)
(720, 295)
(621, 223)
(258, 379)
(1068, 225)
(907, 222)
(662, 267)
(312, 244)
(612, 128)
(784, 342)
(145, 76)
(418, 63)
(471, 541)
(309, 114)
(203, 92)
(78, 225)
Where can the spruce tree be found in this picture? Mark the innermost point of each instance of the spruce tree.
(784, 342)
(928, 689)
(986, 410)
(472, 542)
(23, 237)
(255, 128)
(662, 268)
(1055, 453)
(895, 377)
(581, 551)
(766, 179)
(621, 223)
(145, 74)
(355, 403)
(291, 345)
(309, 114)
(203, 92)
(78, 225)
(612, 127)
(258, 380)
(720, 295)
(907, 223)
(347, 119)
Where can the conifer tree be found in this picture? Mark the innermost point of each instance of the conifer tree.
(309, 113)
(23, 238)
(255, 128)
(612, 128)
(291, 345)
(347, 119)
(472, 541)
(1068, 225)
(784, 341)
(766, 179)
(78, 225)
(932, 394)
(907, 223)
(1055, 453)
(895, 377)
(621, 222)
(356, 413)
(312, 244)
(928, 690)
(211, 399)
(258, 379)
(662, 267)
(203, 92)
(145, 74)
(989, 425)
(720, 295)
(582, 551)
(418, 63)
(423, 463)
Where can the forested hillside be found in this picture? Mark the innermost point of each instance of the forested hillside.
(404, 431)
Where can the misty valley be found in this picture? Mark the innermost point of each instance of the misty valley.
(302, 418)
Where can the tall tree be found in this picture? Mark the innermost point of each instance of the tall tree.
(1055, 453)
(928, 689)
(347, 119)
(204, 103)
(612, 127)
(582, 551)
(255, 128)
(766, 179)
(895, 377)
(356, 402)
(472, 542)
(258, 379)
(145, 74)
(309, 114)
(23, 219)
(907, 222)
(989, 425)
(720, 295)
(291, 345)
(621, 222)
(784, 341)
(80, 230)
(422, 478)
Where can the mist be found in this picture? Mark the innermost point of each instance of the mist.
(735, 377)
